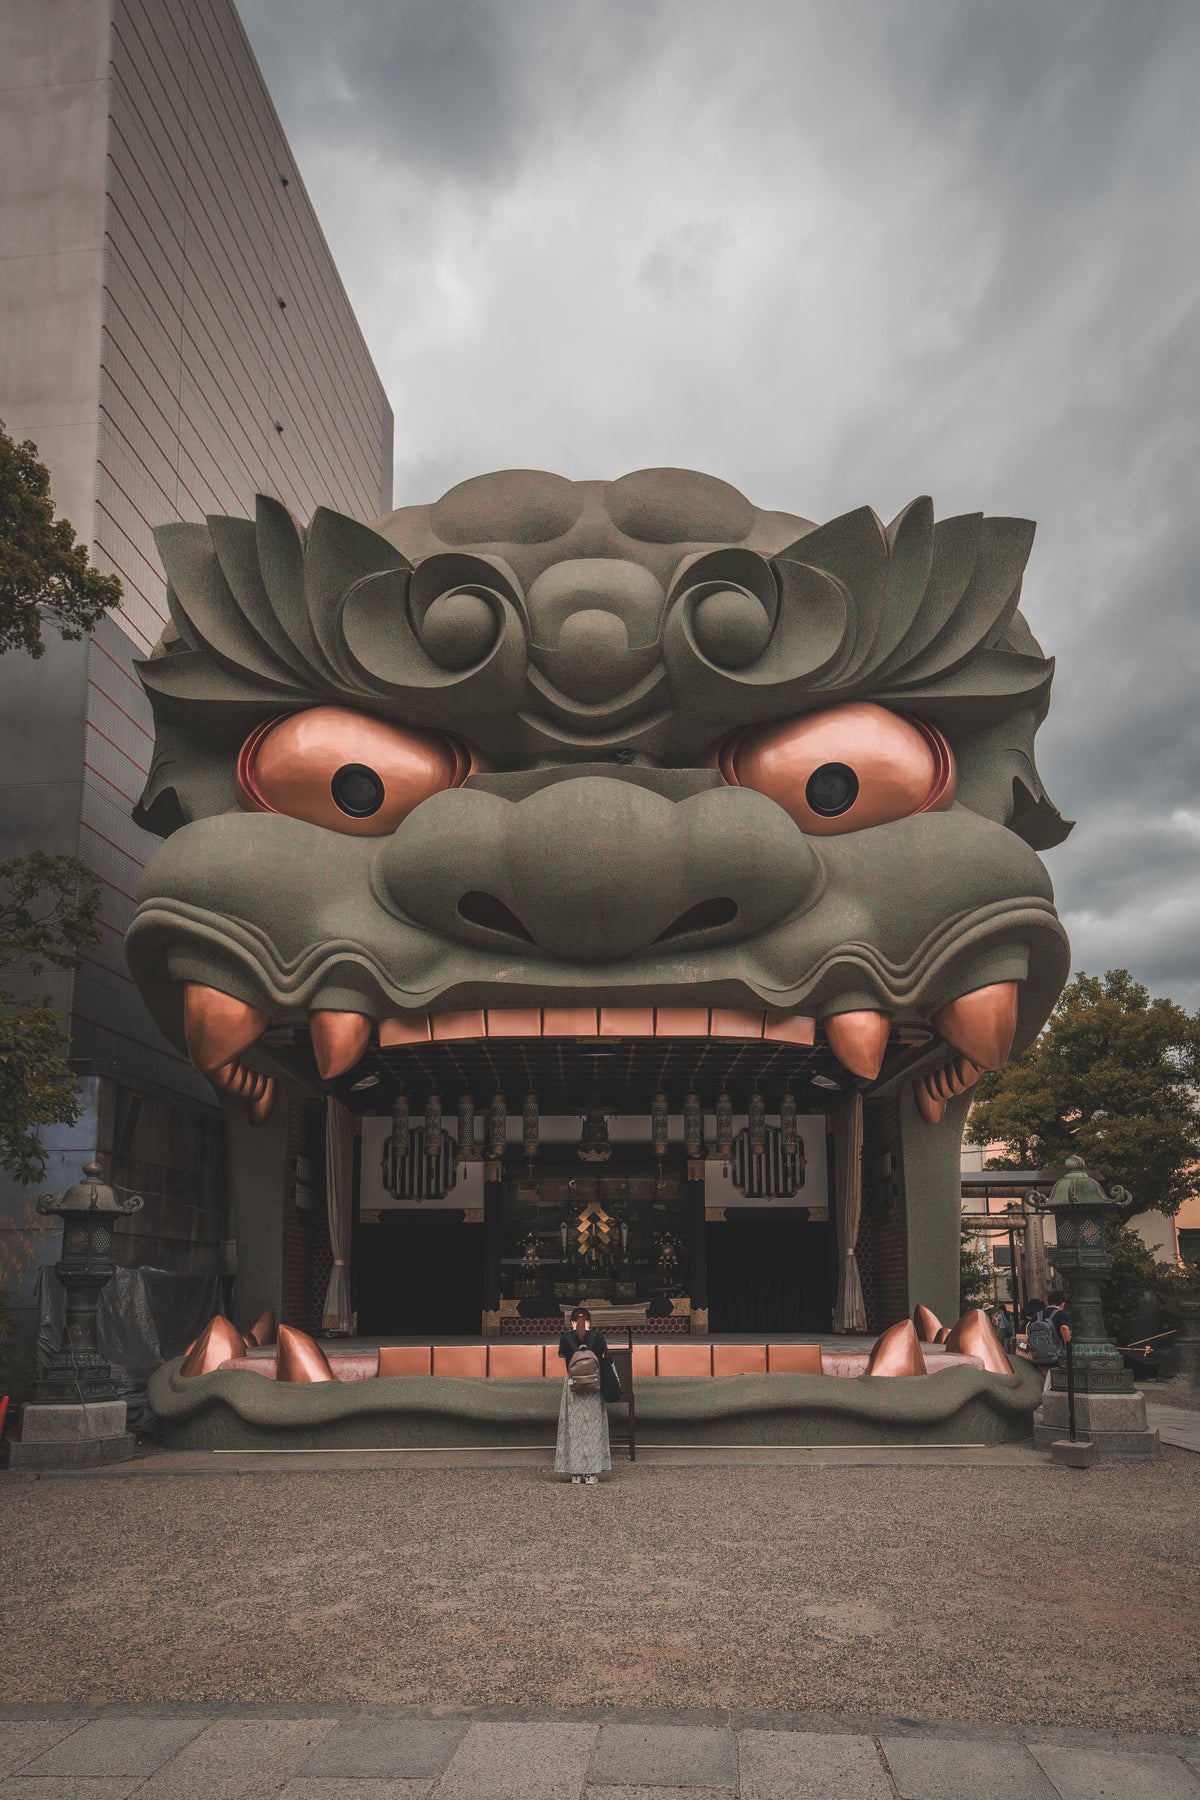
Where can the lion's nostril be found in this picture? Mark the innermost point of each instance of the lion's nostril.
(704, 916)
(478, 908)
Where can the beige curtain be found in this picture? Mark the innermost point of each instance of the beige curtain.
(849, 1314)
(339, 1185)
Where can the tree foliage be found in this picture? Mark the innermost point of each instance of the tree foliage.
(45, 574)
(48, 907)
(1113, 1079)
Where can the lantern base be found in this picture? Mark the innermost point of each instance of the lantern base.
(1115, 1424)
(69, 1437)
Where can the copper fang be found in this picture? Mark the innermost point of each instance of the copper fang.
(897, 1352)
(299, 1358)
(218, 1342)
(975, 1335)
(263, 1329)
(338, 1040)
(858, 1040)
(981, 1024)
(926, 1324)
(217, 1027)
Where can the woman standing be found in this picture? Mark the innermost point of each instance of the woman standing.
(582, 1448)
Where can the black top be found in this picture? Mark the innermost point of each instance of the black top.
(570, 1342)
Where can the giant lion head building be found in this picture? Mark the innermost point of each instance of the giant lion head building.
(647, 878)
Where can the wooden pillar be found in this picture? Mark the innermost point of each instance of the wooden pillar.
(493, 1201)
(697, 1249)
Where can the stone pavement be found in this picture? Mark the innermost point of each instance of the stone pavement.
(226, 1753)
(1174, 1425)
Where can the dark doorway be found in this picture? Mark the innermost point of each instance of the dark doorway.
(769, 1275)
(418, 1275)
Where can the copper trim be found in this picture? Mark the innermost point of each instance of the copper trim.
(897, 1352)
(981, 1024)
(681, 1021)
(514, 1022)
(299, 1358)
(859, 1040)
(626, 1021)
(216, 1027)
(569, 1021)
(338, 1040)
(407, 1028)
(927, 1324)
(975, 1335)
(448, 1026)
(218, 1342)
(731, 1022)
(790, 1028)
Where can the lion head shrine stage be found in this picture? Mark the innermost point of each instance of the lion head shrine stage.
(598, 891)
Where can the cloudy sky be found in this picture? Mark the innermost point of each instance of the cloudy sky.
(837, 253)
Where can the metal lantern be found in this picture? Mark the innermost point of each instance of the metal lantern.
(529, 1125)
(1080, 1206)
(433, 1126)
(77, 1372)
(594, 1145)
(724, 1127)
(693, 1126)
(466, 1126)
(789, 1135)
(756, 1128)
(497, 1131)
(660, 1124)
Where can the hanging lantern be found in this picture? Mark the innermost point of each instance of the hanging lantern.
(724, 1127)
(659, 1124)
(466, 1126)
(757, 1125)
(399, 1129)
(693, 1126)
(529, 1126)
(433, 1126)
(497, 1133)
(789, 1137)
(593, 1136)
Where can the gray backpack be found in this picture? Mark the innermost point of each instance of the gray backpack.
(1042, 1343)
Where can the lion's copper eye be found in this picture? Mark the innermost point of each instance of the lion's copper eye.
(843, 769)
(345, 771)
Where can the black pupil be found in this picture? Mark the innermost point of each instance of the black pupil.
(832, 789)
(357, 790)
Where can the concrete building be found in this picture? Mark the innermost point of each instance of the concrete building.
(174, 338)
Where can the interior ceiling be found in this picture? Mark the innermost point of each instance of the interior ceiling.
(622, 1074)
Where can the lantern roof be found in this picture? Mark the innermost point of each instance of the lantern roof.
(91, 1195)
(1076, 1189)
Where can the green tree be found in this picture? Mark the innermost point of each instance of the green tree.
(1112, 1078)
(976, 1283)
(45, 575)
(48, 907)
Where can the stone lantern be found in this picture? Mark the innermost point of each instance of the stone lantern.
(75, 1418)
(1109, 1410)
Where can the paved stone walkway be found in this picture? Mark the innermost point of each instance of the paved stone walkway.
(187, 1753)
(1174, 1425)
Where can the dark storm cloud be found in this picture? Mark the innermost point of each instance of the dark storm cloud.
(836, 253)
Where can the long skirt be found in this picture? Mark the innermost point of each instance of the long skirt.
(582, 1447)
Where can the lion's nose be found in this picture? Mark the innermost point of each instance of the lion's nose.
(595, 870)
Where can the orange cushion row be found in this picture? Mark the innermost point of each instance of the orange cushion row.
(530, 1361)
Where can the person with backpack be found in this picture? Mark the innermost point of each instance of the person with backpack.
(1043, 1346)
(582, 1449)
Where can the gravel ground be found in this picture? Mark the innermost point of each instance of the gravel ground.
(929, 1594)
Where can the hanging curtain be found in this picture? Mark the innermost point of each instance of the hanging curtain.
(849, 1314)
(339, 1186)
